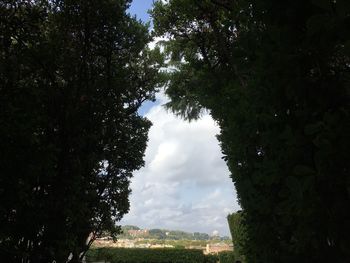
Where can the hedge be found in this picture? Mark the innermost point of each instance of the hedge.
(140, 255)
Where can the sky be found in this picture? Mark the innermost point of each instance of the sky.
(185, 184)
(140, 8)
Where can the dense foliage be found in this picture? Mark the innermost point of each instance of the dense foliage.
(238, 233)
(226, 257)
(275, 76)
(73, 74)
(166, 234)
(177, 235)
(138, 255)
(182, 243)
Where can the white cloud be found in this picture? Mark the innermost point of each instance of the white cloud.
(155, 41)
(185, 184)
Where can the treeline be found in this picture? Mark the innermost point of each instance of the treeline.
(73, 74)
(163, 234)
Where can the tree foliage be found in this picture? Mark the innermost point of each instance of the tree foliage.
(73, 75)
(239, 234)
(275, 76)
(144, 255)
(226, 257)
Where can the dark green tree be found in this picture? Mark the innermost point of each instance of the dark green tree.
(73, 75)
(238, 233)
(275, 76)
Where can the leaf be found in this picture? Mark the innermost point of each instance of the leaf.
(324, 4)
(346, 48)
(322, 143)
(313, 128)
(316, 24)
(292, 183)
(294, 186)
(303, 170)
(343, 8)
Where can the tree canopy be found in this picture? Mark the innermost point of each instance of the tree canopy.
(73, 74)
(275, 77)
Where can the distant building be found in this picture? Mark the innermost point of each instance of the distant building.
(138, 233)
(215, 233)
(216, 248)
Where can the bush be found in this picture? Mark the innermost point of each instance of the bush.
(139, 255)
(226, 257)
(211, 258)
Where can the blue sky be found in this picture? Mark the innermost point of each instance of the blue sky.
(185, 184)
(139, 8)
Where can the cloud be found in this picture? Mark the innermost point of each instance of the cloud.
(185, 184)
(156, 41)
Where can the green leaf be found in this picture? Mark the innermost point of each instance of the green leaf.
(294, 186)
(324, 4)
(313, 128)
(346, 49)
(292, 183)
(316, 24)
(343, 8)
(322, 143)
(303, 170)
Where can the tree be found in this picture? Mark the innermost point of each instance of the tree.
(275, 77)
(73, 75)
(157, 233)
(238, 233)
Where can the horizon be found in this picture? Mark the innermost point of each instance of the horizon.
(177, 230)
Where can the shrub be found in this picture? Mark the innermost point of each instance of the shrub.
(140, 255)
(226, 257)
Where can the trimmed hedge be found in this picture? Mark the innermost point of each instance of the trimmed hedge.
(140, 255)
(226, 257)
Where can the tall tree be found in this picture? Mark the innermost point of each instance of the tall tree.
(73, 75)
(238, 231)
(275, 76)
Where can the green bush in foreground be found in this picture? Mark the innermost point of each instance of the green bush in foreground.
(139, 255)
(226, 257)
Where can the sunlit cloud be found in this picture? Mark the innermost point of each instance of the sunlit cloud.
(185, 184)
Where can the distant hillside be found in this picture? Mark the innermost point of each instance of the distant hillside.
(132, 232)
